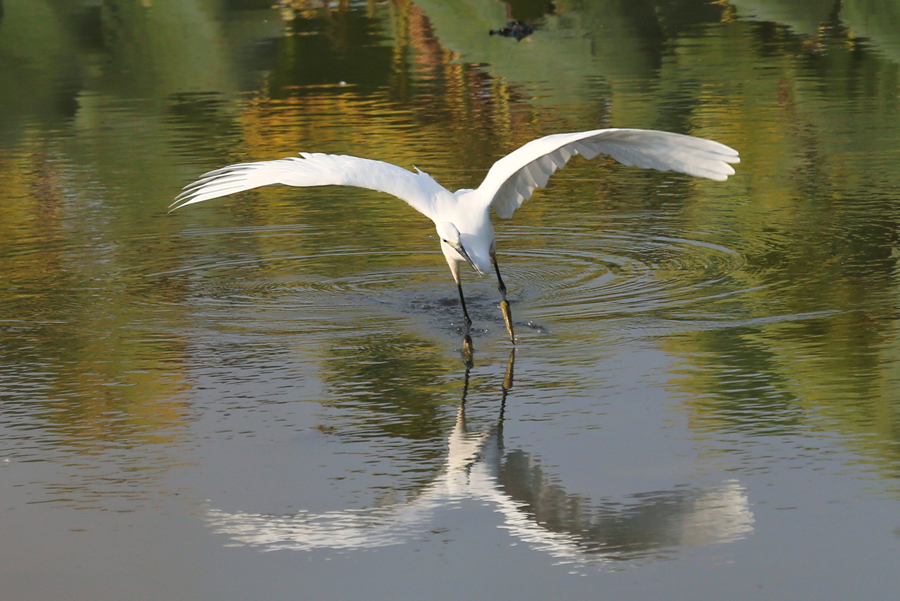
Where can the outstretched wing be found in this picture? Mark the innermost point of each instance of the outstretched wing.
(418, 189)
(513, 178)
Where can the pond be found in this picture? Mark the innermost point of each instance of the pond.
(264, 396)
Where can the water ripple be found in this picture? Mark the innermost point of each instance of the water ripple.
(619, 273)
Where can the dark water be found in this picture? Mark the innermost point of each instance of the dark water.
(262, 397)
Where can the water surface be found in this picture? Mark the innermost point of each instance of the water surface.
(262, 397)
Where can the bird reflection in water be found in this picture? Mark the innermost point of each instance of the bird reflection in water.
(535, 510)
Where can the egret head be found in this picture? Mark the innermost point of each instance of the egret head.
(450, 238)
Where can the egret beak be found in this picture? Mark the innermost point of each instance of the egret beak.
(458, 247)
(462, 251)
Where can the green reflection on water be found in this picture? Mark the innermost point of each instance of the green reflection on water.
(105, 111)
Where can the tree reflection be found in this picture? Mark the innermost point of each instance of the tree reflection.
(389, 382)
(107, 107)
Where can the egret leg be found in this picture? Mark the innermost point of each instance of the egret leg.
(467, 339)
(504, 304)
(462, 301)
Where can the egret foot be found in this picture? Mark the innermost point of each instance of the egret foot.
(507, 317)
(467, 351)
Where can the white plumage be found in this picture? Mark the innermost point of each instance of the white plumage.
(463, 218)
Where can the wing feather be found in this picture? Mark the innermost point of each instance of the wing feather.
(314, 169)
(513, 179)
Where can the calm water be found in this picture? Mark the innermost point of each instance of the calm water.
(263, 397)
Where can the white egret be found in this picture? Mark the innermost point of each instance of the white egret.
(462, 218)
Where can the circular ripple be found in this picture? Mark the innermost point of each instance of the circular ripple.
(620, 273)
(558, 272)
